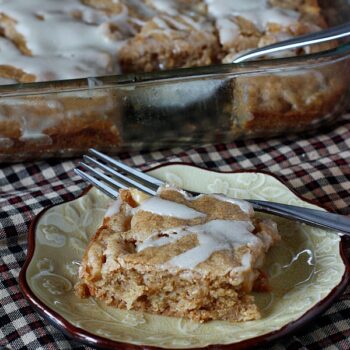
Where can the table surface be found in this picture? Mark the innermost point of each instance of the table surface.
(316, 165)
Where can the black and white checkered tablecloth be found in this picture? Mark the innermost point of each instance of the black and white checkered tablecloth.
(316, 166)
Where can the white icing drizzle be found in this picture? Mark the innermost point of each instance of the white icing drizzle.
(164, 207)
(246, 261)
(51, 67)
(259, 12)
(245, 206)
(282, 17)
(229, 31)
(6, 81)
(212, 236)
(62, 45)
(5, 142)
(167, 23)
(114, 208)
(221, 8)
(167, 6)
(175, 23)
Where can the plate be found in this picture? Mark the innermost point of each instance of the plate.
(307, 270)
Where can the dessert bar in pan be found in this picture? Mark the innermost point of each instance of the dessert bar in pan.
(47, 40)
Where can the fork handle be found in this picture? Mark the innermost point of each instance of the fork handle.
(320, 218)
(321, 36)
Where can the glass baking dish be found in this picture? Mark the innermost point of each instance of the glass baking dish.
(182, 107)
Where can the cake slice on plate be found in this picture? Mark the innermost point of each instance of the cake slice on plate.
(178, 255)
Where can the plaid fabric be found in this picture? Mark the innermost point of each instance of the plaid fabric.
(317, 166)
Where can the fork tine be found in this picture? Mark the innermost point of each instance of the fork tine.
(129, 170)
(116, 182)
(119, 176)
(110, 192)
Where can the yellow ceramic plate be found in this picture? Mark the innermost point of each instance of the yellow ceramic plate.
(304, 270)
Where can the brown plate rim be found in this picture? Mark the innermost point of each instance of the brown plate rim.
(91, 339)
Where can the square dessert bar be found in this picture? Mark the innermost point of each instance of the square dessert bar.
(178, 255)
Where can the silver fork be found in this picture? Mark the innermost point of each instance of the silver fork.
(318, 37)
(109, 175)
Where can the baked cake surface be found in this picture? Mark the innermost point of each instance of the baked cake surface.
(44, 40)
(177, 255)
(64, 39)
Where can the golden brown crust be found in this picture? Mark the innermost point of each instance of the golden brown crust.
(287, 101)
(41, 125)
(157, 48)
(8, 26)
